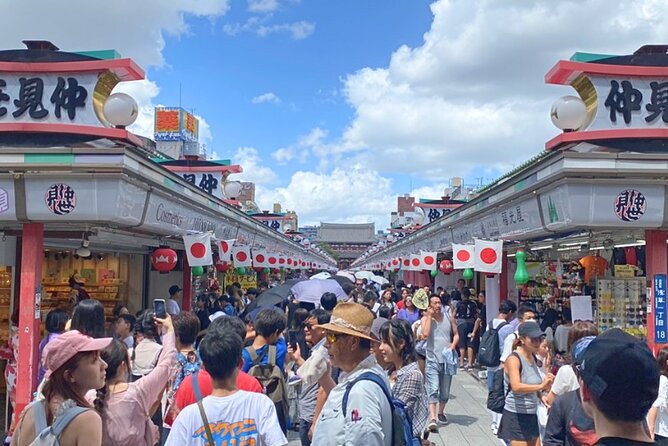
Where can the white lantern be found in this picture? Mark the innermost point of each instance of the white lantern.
(568, 113)
(121, 110)
(232, 189)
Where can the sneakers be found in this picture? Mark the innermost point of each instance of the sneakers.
(433, 426)
(443, 419)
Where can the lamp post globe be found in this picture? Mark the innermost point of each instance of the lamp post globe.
(232, 189)
(568, 113)
(121, 110)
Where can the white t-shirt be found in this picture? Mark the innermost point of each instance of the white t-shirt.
(661, 403)
(561, 338)
(565, 381)
(508, 346)
(173, 307)
(241, 418)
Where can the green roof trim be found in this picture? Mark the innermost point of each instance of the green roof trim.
(519, 168)
(589, 57)
(221, 162)
(49, 158)
(101, 54)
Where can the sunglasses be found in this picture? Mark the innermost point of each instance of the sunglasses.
(332, 337)
(308, 326)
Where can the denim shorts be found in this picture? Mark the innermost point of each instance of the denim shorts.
(438, 382)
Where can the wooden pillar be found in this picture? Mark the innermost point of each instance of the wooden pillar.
(32, 253)
(656, 264)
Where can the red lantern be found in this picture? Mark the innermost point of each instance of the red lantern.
(164, 260)
(446, 266)
(222, 266)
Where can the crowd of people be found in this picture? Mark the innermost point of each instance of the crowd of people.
(367, 370)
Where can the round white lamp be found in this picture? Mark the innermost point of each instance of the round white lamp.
(121, 110)
(232, 189)
(568, 113)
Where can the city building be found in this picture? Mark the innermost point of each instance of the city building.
(348, 241)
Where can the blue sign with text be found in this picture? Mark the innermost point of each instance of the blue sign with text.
(660, 329)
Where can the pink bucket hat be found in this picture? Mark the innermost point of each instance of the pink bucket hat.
(64, 347)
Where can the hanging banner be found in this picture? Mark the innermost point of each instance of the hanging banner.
(428, 261)
(225, 249)
(260, 259)
(463, 256)
(198, 249)
(241, 256)
(488, 256)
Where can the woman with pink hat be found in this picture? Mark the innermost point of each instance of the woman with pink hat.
(74, 367)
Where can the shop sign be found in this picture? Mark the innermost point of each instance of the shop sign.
(246, 280)
(630, 102)
(209, 182)
(175, 124)
(509, 221)
(4, 201)
(60, 198)
(601, 205)
(630, 205)
(165, 214)
(660, 327)
(63, 98)
(84, 199)
(433, 213)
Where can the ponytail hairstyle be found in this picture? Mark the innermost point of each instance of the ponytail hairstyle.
(114, 355)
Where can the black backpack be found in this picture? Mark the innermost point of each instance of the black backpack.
(496, 399)
(489, 352)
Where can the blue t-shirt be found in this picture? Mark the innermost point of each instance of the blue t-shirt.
(281, 352)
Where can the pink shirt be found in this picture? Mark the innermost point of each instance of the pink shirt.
(126, 419)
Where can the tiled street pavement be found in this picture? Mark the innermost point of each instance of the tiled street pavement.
(467, 414)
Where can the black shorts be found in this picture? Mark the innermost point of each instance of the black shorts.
(464, 329)
(518, 426)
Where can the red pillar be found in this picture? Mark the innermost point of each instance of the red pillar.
(503, 278)
(656, 262)
(186, 305)
(32, 252)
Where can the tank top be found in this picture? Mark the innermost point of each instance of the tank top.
(439, 338)
(525, 403)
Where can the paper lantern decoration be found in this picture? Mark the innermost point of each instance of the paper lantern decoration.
(468, 274)
(197, 271)
(163, 260)
(521, 273)
(241, 271)
(433, 273)
(222, 267)
(446, 267)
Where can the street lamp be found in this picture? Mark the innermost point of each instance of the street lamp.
(568, 113)
(232, 189)
(121, 110)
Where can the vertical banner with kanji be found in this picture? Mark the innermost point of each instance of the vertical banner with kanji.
(661, 336)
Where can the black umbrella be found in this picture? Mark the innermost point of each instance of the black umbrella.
(345, 283)
(273, 296)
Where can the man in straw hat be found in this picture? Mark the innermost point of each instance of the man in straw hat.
(368, 416)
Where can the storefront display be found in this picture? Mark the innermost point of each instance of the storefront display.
(622, 303)
(104, 277)
(5, 302)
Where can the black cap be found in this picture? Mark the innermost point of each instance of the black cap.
(531, 329)
(174, 289)
(251, 291)
(621, 372)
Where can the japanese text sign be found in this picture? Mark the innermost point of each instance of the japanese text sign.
(660, 328)
(63, 98)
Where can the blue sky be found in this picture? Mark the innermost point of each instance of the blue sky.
(334, 107)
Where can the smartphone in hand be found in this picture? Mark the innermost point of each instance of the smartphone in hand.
(159, 308)
(292, 339)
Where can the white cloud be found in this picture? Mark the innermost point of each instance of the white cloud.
(266, 98)
(263, 6)
(352, 194)
(249, 158)
(311, 143)
(258, 25)
(136, 29)
(473, 93)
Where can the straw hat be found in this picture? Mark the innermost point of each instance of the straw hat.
(351, 319)
(420, 299)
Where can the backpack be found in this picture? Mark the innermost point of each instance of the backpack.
(402, 425)
(496, 399)
(489, 351)
(50, 435)
(271, 379)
